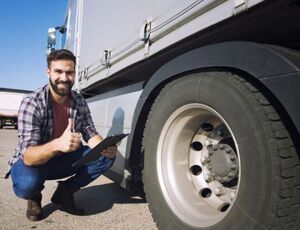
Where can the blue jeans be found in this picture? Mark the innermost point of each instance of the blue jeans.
(28, 181)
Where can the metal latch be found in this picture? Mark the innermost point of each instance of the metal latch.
(107, 58)
(83, 75)
(240, 6)
(145, 33)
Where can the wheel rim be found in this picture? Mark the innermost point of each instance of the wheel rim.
(198, 165)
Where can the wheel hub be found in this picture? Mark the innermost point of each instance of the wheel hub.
(222, 162)
(197, 165)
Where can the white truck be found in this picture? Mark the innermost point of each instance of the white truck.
(10, 100)
(209, 92)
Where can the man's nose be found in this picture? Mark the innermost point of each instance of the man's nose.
(64, 76)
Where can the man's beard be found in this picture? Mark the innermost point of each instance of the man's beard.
(62, 92)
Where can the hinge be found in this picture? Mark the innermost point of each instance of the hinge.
(240, 6)
(145, 33)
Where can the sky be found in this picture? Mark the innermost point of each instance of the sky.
(23, 39)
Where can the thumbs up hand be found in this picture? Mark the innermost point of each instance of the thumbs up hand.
(69, 141)
(70, 125)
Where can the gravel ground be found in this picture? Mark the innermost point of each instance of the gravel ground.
(107, 205)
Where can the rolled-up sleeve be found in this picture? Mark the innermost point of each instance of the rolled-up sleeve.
(29, 131)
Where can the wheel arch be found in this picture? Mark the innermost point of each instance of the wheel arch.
(264, 66)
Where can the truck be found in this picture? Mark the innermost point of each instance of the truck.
(8, 120)
(10, 100)
(209, 92)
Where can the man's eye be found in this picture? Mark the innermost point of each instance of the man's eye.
(70, 72)
(58, 71)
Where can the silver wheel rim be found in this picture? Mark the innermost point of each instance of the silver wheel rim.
(198, 165)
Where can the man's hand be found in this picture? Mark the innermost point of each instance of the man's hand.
(110, 152)
(69, 141)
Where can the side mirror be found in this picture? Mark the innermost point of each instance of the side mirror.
(51, 37)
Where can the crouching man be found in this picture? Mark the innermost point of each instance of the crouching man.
(51, 122)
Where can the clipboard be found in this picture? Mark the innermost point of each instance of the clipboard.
(94, 153)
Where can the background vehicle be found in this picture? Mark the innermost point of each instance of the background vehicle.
(8, 120)
(10, 100)
(208, 90)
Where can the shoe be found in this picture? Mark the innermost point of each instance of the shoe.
(63, 197)
(34, 210)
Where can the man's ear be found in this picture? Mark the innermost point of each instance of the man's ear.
(48, 72)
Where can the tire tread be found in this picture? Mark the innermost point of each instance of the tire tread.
(285, 212)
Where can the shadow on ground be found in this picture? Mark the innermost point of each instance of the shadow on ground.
(97, 199)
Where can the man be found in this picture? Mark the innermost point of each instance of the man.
(51, 122)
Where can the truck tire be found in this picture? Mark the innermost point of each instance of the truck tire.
(217, 156)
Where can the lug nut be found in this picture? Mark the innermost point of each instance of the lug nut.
(228, 150)
(207, 177)
(221, 147)
(232, 157)
(231, 175)
(225, 179)
(233, 167)
(219, 191)
(232, 195)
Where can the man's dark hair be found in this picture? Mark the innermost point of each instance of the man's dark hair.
(61, 54)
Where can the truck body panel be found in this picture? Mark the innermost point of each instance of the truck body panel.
(171, 21)
(113, 116)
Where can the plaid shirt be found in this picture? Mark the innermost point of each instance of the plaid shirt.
(35, 120)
